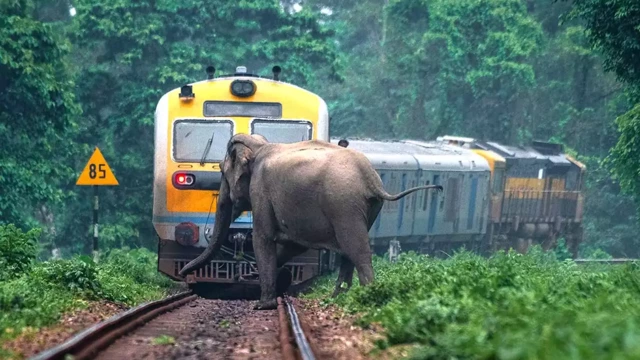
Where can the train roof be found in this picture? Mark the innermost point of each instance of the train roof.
(417, 155)
(241, 73)
(538, 150)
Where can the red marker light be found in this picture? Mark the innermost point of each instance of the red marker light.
(183, 179)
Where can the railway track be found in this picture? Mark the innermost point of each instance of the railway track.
(197, 328)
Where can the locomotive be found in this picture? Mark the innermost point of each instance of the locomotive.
(495, 196)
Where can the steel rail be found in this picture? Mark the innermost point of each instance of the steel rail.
(285, 335)
(301, 339)
(92, 340)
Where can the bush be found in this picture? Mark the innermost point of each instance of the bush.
(509, 306)
(40, 295)
(129, 276)
(17, 250)
(78, 275)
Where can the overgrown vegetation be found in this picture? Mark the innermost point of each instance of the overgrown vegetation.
(510, 306)
(36, 294)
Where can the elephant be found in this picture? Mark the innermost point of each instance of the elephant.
(308, 194)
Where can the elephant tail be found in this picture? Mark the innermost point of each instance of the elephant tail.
(386, 196)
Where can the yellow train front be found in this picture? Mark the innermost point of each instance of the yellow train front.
(192, 127)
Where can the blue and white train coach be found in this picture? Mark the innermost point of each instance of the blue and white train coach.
(428, 221)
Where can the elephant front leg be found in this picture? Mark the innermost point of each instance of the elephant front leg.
(265, 250)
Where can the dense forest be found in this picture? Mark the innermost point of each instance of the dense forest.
(75, 74)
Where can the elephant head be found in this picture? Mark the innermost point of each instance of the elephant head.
(233, 198)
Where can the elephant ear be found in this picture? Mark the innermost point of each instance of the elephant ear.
(241, 158)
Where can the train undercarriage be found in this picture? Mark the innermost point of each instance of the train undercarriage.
(233, 269)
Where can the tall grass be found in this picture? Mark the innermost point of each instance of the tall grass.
(36, 294)
(509, 306)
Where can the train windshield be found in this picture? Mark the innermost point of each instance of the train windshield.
(282, 131)
(198, 140)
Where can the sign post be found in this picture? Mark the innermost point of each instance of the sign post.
(96, 173)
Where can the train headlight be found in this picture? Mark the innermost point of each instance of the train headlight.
(187, 233)
(243, 88)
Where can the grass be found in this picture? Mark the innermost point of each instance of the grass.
(36, 294)
(163, 340)
(509, 306)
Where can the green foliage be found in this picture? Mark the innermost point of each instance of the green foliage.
(507, 307)
(626, 154)
(39, 296)
(502, 70)
(128, 53)
(613, 28)
(609, 220)
(163, 340)
(76, 275)
(130, 275)
(37, 107)
(17, 250)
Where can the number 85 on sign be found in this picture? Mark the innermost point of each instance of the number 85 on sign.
(97, 171)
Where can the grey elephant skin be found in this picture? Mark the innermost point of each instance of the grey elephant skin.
(309, 194)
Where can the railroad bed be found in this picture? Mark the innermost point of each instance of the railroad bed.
(199, 329)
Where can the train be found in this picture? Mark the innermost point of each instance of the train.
(192, 126)
(495, 196)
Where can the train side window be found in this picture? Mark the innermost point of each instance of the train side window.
(571, 180)
(451, 199)
(425, 196)
(411, 203)
(392, 189)
(498, 180)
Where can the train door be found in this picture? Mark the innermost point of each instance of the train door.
(433, 207)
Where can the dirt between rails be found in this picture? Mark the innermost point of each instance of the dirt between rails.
(231, 329)
(215, 329)
(203, 329)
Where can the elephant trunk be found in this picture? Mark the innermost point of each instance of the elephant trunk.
(220, 231)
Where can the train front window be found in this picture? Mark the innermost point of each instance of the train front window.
(198, 140)
(282, 131)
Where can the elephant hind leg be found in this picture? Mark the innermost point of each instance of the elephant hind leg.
(354, 243)
(345, 275)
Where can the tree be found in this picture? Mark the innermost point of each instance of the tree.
(128, 53)
(509, 71)
(37, 109)
(613, 27)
